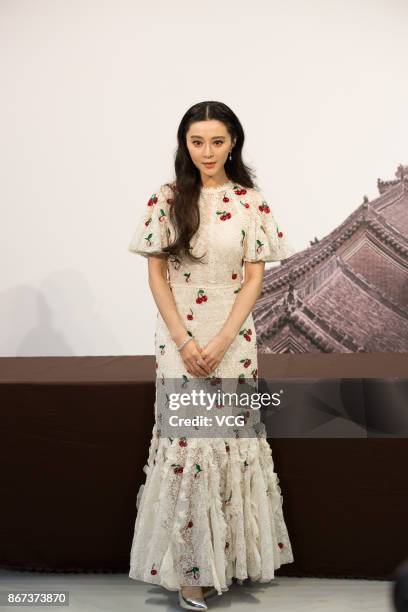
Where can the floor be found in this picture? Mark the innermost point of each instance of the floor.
(119, 593)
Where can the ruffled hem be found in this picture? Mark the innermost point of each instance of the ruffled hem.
(209, 511)
(135, 574)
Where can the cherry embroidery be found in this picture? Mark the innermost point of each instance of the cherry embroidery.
(178, 469)
(224, 215)
(190, 524)
(246, 333)
(190, 316)
(152, 200)
(201, 297)
(187, 276)
(280, 544)
(194, 571)
(234, 275)
(264, 207)
(162, 215)
(240, 191)
(148, 239)
(147, 223)
(259, 246)
(153, 571)
(162, 347)
(182, 442)
(225, 199)
(246, 362)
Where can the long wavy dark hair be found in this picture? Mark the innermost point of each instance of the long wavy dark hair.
(184, 209)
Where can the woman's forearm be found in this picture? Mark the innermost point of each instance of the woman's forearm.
(167, 307)
(244, 302)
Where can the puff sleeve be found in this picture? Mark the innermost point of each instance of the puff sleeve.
(152, 231)
(265, 240)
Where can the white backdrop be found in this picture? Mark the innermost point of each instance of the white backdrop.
(92, 93)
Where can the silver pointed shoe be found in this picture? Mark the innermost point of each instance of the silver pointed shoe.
(191, 603)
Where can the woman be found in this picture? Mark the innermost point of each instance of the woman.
(211, 508)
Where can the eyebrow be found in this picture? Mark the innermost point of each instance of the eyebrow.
(213, 137)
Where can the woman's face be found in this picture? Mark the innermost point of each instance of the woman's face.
(209, 141)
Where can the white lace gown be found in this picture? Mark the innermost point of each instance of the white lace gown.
(210, 508)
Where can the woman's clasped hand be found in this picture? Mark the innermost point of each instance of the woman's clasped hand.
(208, 357)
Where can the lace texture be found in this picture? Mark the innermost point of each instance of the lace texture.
(205, 525)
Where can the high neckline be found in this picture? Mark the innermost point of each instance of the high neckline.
(227, 185)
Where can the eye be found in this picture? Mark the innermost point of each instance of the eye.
(198, 142)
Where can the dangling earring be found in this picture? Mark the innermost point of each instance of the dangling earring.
(230, 156)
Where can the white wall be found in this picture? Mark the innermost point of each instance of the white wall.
(92, 93)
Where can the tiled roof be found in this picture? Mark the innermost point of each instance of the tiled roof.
(347, 292)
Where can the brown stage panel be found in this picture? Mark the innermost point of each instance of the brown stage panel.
(75, 433)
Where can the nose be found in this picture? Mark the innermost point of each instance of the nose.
(208, 151)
